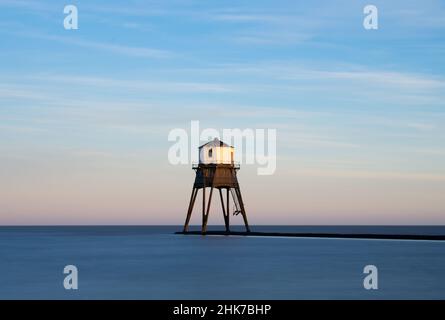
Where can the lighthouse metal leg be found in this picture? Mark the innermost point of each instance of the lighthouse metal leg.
(203, 208)
(190, 209)
(243, 211)
(206, 216)
(228, 209)
(226, 214)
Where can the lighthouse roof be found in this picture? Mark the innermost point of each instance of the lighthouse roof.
(215, 143)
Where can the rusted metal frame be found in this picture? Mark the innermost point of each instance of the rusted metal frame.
(243, 211)
(225, 213)
(190, 209)
(206, 215)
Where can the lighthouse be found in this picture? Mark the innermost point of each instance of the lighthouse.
(217, 170)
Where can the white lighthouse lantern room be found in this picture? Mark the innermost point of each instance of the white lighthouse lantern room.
(216, 152)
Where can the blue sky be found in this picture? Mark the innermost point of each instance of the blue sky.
(85, 114)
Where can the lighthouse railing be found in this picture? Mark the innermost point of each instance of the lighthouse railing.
(195, 165)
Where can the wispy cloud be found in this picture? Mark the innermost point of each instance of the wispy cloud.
(429, 151)
(303, 138)
(369, 174)
(142, 52)
(263, 112)
(155, 86)
(114, 48)
(268, 37)
(29, 5)
(247, 17)
(22, 129)
(380, 77)
(401, 123)
(350, 74)
(8, 91)
(410, 14)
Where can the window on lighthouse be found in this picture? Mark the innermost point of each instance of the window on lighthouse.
(210, 153)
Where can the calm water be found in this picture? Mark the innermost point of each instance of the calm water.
(152, 263)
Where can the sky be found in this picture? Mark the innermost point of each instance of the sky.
(85, 114)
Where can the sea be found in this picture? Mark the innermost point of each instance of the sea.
(152, 262)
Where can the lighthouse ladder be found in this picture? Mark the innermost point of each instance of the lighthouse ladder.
(236, 202)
